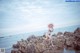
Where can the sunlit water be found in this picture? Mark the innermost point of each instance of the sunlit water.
(8, 41)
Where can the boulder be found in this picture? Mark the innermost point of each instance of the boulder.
(15, 51)
(77, 31)
(72, 39)
(15, 46)
(77, 39)
(30, 48)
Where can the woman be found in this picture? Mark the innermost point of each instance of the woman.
(48, 35)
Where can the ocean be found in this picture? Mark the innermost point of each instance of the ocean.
(8, 41)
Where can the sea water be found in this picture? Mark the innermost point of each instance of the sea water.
(8, 41)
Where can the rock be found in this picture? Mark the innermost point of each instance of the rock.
(59, 42)
(70, 40)
(59, 33)
(68, 34)
(77, 39)
(77, 31)
(15, 51)
(15, 46)
(30, 48)
(31, 37)
(40, 47)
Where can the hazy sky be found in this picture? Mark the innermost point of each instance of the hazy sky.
(18, 16)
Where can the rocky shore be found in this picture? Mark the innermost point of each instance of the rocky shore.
(37, 44)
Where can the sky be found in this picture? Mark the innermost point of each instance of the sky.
(19, 16)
